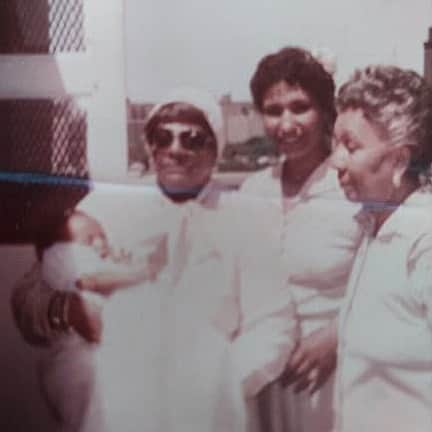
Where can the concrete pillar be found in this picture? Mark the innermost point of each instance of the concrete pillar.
(107, 149)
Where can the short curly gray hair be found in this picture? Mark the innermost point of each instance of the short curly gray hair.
(399, 103)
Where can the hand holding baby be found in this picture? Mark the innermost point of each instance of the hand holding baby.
(85, 317)
(143, 265)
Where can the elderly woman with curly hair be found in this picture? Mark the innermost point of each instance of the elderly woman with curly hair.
(383, 148)
(316, 235)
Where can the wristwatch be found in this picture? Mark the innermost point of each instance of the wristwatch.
(58, 311)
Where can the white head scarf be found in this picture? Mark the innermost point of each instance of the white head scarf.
(204, 102)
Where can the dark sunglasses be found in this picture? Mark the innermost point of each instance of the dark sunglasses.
(189, 140)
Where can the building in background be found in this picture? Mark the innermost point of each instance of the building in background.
(138, 159)
(246, 146)
(242, 121)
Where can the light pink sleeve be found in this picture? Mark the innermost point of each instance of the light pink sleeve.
(268, 331)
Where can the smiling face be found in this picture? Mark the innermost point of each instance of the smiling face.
(369, 167)
(184, 155)
(293, 120)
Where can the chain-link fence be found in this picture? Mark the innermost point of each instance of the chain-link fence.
(41, 26)
(43, 166)
(43, 136)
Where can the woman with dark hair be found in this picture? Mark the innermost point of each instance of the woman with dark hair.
(317, 235)
(383, 152)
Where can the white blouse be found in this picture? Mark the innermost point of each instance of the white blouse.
(317, 236)
(385, 350)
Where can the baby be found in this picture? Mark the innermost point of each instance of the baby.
(82, 259)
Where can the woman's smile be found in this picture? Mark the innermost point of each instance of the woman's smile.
(293, 120)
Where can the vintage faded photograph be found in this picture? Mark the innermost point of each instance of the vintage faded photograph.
(217, 217)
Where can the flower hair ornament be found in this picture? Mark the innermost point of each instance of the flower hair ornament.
(327, 59)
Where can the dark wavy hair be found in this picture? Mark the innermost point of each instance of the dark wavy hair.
(296, 66)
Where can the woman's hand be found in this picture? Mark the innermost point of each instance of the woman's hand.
(144, 268)
(313, 360)
(85, 317)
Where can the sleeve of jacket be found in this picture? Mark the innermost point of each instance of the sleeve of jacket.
(268, 328)
(30, 300)
(266, 338)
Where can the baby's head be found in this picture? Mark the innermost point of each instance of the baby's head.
(83, 229)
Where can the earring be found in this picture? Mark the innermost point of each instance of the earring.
(397, 180)
(402, 162)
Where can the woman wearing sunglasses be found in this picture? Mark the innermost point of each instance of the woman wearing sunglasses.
(214, 284)
(383, 150)
(316, 234)
(184, 144)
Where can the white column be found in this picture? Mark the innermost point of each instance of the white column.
(107, 131)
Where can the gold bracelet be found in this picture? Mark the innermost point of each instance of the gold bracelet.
(58, 311)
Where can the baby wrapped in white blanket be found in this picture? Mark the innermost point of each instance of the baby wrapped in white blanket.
(136, 379)
(67, 369)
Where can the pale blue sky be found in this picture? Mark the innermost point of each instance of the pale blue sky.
(216, 44)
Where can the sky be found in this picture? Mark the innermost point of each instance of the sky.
(216, 45)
